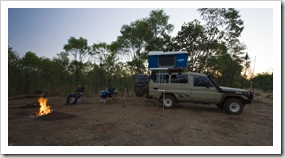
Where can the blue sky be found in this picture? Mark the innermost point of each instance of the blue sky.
(45, 31)
(30, 29)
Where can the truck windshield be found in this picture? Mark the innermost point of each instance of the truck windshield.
(214, 82)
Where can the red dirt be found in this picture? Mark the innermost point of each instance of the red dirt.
(139, 123)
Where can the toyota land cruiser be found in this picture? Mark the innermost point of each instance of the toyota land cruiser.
(173, 87)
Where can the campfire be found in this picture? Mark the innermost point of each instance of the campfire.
(44, 109)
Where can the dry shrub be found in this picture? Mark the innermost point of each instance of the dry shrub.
(263, 97)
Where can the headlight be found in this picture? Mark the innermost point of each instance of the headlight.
(249, 95)
(245, 94)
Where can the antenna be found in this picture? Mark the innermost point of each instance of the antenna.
(252, 75)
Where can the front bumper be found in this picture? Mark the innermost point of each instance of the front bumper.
(249, 97)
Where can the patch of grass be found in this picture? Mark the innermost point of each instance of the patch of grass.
(256, 94)
(269, 96)
(263, 97)
(256, 100)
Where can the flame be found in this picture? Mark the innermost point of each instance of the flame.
(44, 109)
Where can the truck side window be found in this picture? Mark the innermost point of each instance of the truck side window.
(179, 78)
(161, 78)
(201, 81)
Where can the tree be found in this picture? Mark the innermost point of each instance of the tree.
(223, 28)
(62, 59)
(141, 36)
(100, 52)
(192, 38)
(77, 47)
(133, 43)
(15, 84)
(160, 30)
(225, 67)
(264, 81)
(30, 67)
(213, 46)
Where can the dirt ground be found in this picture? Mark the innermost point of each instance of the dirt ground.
(139, 123)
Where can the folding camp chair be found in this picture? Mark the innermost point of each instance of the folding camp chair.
(108, 95)
(81, 95)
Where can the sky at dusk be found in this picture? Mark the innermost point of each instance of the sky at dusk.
(44, 31)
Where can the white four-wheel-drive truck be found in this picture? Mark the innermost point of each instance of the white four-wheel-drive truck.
(170, 88)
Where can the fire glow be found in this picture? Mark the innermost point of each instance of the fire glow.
(44, 109)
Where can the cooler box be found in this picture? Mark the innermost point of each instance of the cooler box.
(158, 60)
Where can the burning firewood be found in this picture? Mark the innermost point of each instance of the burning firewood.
(44, 109)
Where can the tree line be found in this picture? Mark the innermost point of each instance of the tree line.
(212, 44)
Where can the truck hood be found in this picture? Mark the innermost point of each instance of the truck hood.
(236, 90)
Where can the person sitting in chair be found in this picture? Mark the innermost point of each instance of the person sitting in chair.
(105, 93)
(76, 95)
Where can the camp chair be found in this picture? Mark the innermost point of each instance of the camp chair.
(103, 96)
(108, 95)
(113, 93)
(81, 94)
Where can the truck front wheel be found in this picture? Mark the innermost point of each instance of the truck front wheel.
(233, 106)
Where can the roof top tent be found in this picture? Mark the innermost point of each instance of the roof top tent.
(159, 60)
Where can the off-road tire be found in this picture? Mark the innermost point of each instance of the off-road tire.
(169, 101)
(233, 106)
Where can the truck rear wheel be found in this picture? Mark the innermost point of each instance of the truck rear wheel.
(169, 101)
(233, 106)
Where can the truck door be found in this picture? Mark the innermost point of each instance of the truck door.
(179, 85)
(203, 91)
